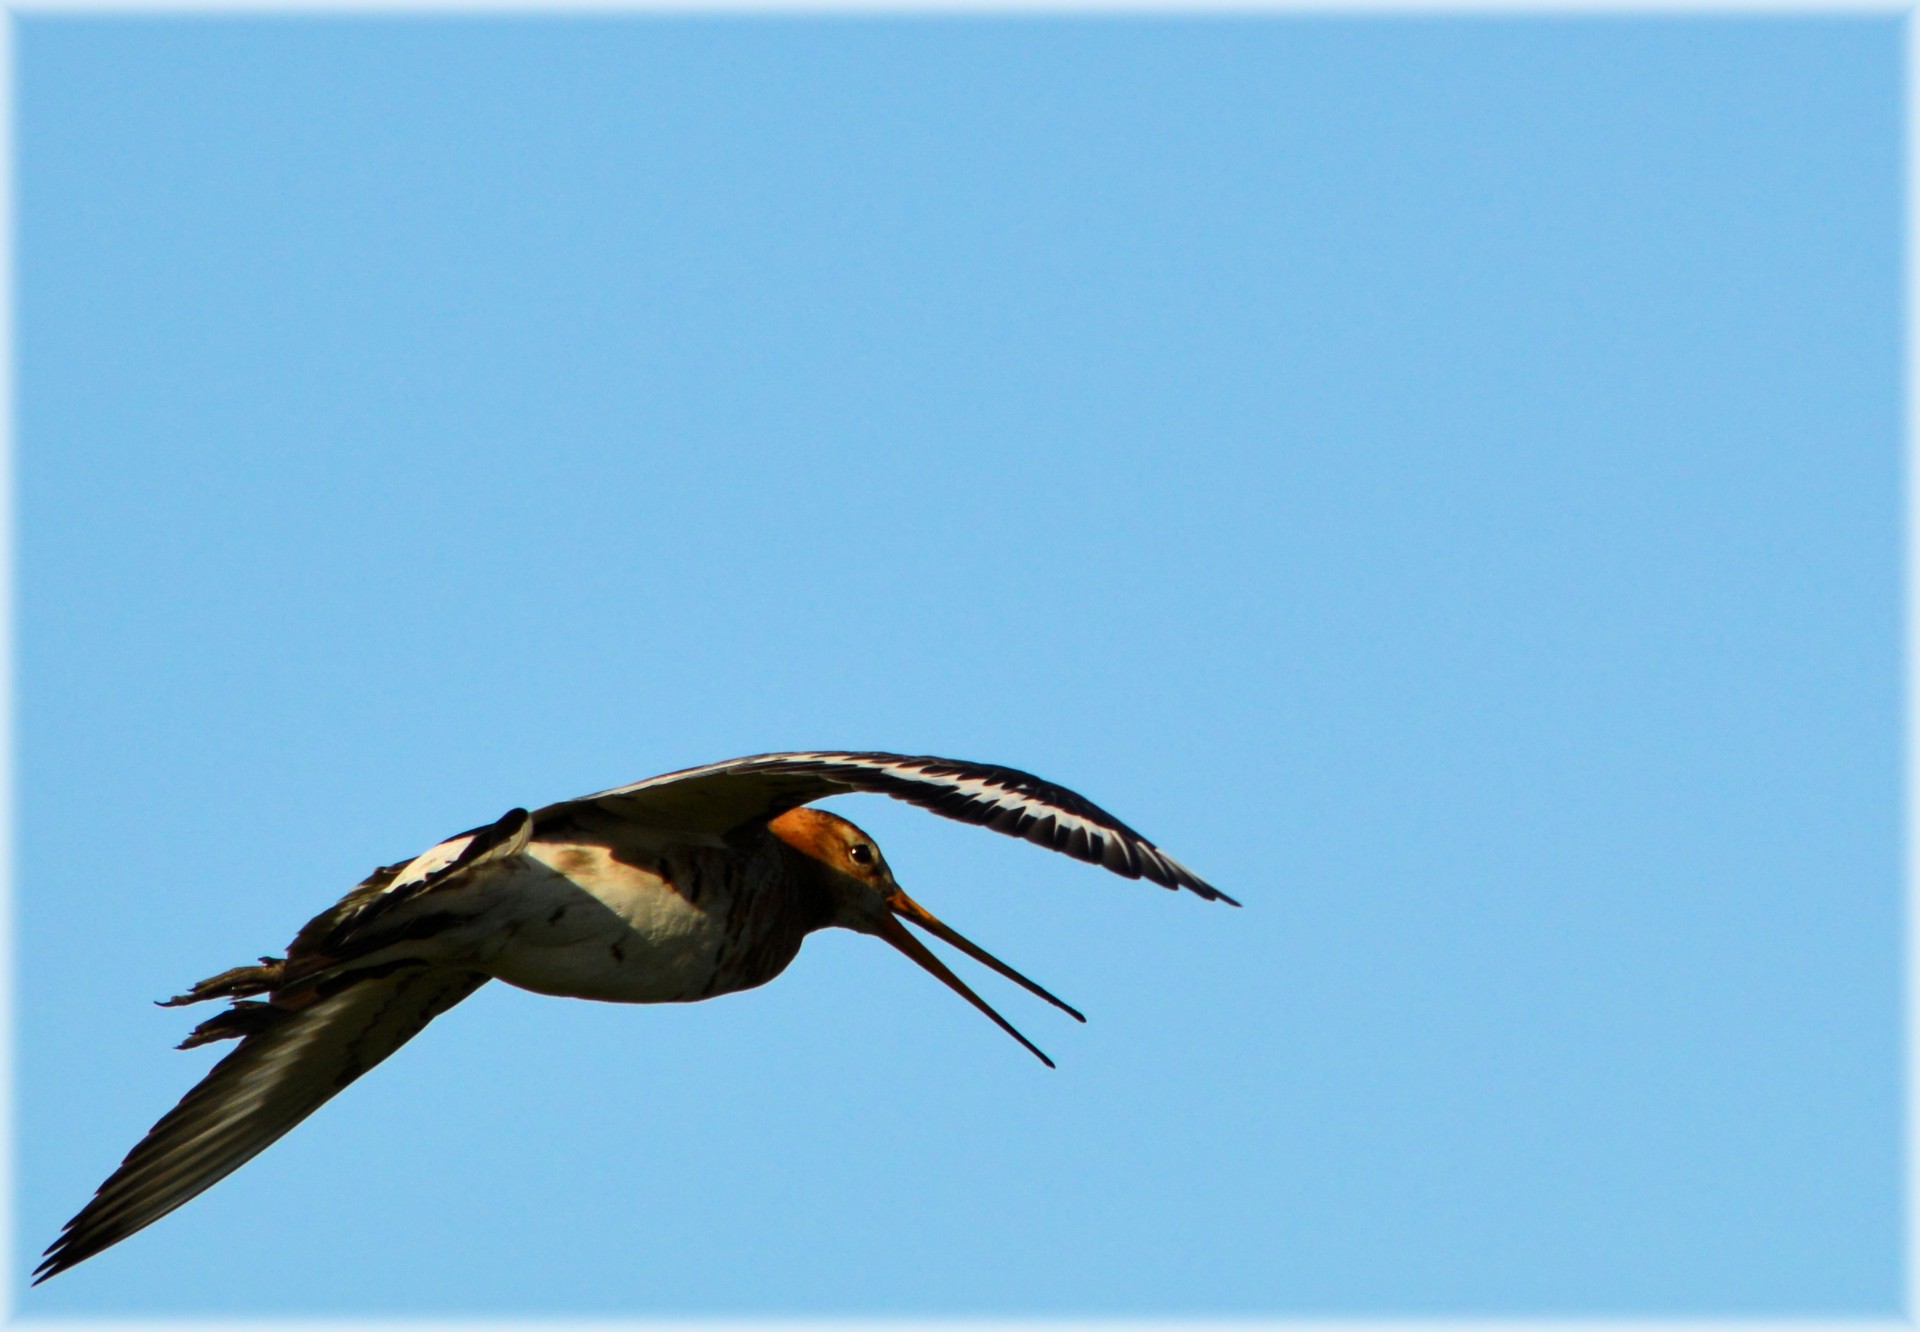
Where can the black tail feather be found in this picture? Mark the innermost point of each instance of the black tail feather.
(246, 1017)
(233, 983)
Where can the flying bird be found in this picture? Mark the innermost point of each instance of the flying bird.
(676, 888)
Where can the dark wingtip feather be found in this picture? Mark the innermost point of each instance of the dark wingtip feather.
(1186, 878)
(62, 1254)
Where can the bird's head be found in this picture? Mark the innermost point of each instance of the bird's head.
(846, 863)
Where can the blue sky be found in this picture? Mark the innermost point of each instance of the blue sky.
(1439, 477)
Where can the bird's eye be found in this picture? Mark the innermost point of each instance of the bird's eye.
(861, 853)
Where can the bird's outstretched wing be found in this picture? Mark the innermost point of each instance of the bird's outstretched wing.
(721, 797)
(289, 1063)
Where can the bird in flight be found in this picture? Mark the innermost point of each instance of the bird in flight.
(676, 888)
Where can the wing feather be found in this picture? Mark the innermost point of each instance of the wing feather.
(277, 1077)
(719, 798)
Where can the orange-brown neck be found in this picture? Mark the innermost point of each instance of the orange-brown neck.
(804, 837)
(813, 833)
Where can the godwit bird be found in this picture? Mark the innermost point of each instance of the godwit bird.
(672, 889)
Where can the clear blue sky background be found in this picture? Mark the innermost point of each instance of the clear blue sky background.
(1439, 478)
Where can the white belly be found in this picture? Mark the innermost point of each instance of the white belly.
(588, 926)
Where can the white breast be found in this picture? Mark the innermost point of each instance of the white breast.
(588, 926)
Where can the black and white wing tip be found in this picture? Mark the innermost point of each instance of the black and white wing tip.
(1020, 804)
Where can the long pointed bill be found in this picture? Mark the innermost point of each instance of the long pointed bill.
(896, 934)
(909, 909)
